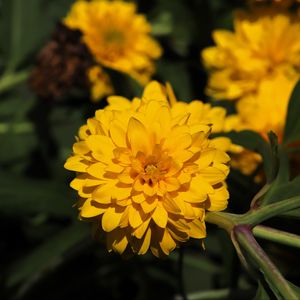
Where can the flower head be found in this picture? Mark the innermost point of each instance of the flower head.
(267, 109)
(147, 175)
(116, 35)
(264, 43)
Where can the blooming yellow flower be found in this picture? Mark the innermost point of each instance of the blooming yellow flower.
(266, 110)
(261, 112)
(116, 35)
(146, 175)
(202, 113)
(264, 42)
(100, 83)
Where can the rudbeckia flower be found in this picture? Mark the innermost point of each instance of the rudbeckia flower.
(117, 36)
(269, 106)
(265, 42)
(146, 174)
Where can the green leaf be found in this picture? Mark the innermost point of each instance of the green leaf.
(20, 23)
(293, 214)
(295, 288)
(292, 125)
(25, 26)
(16, 146)
(20, 196)
(281, 179)
(281, 191)
(17, 133)
(162, 24)
(9, 80)
(47, 256)
(261, 293)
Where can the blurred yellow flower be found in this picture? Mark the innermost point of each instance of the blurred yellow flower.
(100, 83)
(269, 106)
(262, 112)
(265, 42)
(146, 175)
(117, 36)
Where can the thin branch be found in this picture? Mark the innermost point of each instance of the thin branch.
(263, 213)
(277, 282)
(276, 235)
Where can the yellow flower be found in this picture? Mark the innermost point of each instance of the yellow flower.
(266, 110)
(261, 112)
(100, 83)
(147, 176)
(202, 113)
(116, 35)
(264, 42)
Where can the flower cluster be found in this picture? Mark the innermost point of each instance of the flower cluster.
(257, 65)
(265, 44)
(147, 170)
(117, 37)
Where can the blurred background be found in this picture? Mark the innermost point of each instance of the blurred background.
(45, 252)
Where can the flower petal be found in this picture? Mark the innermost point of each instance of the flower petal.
(167, 244)
(88, 210)
(118, 135)
(138, 138)
(160, 216)
(134, 217)
(111, 219)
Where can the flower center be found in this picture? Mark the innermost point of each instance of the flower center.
(151, 169)
(114, 37)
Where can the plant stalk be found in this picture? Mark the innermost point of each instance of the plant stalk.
(276, 235)
(223, 220)
(263, 213)
(277, 282)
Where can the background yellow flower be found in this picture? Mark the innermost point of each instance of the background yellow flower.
(266, 110)
(265, 42)
(117, 36)
(147, 175)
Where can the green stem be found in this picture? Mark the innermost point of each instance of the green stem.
(276, 235)
(271, 273)
(224, 220)
(9, 80)
(261, 214)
